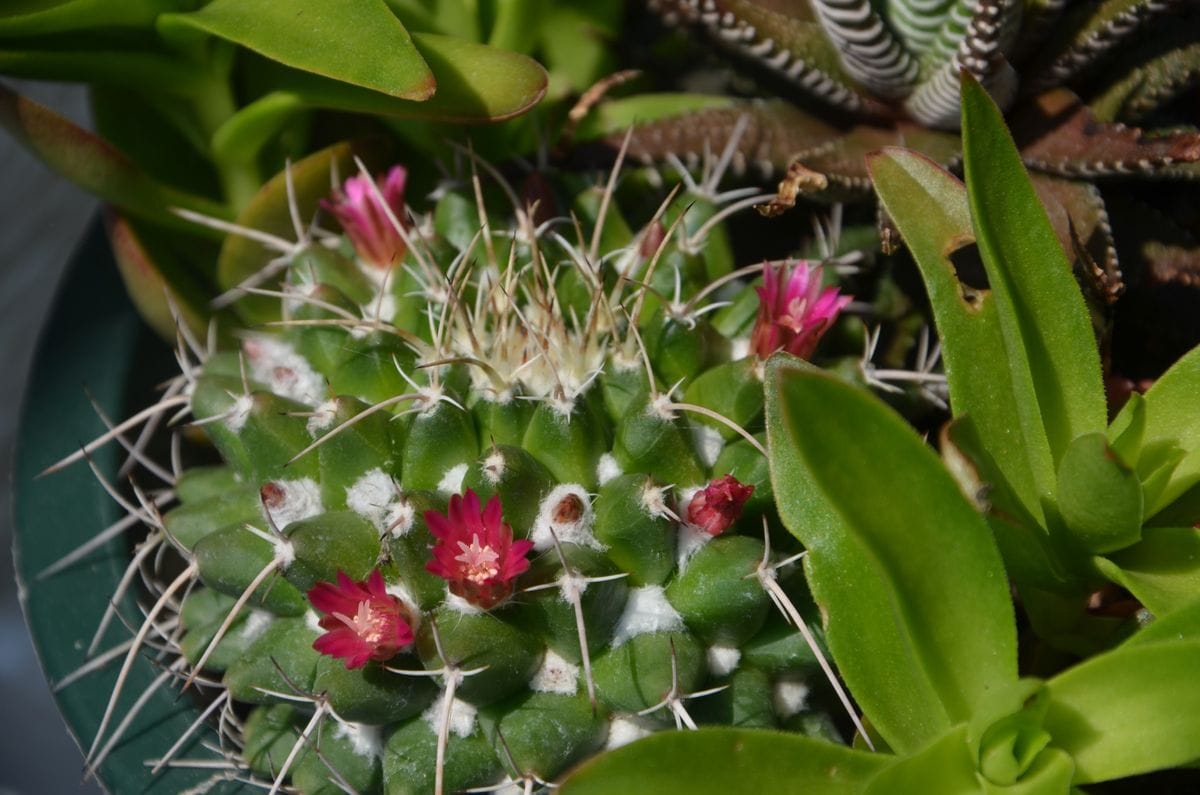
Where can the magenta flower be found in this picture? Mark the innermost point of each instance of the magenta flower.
(793, 310)
(365, 220)
(363, 620)
(718, 505)
(475, 552)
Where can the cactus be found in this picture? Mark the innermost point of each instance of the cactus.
(493, 496)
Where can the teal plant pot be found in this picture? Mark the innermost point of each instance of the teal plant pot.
(94, 343)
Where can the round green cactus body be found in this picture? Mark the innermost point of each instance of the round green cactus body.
(488, 511)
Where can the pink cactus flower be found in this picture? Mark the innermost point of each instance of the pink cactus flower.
(793, 310)
(363, 620)
(365, 220)
(475, 552)
(717, 506)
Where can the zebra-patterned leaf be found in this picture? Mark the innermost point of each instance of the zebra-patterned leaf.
(980, 53)
(1059, 135)
(869, 52)
(1087, 33)
(786, 41)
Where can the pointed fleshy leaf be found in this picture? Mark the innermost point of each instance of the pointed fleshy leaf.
(1180, 624)
(155, 285)
(1148, 76)
(1089, 31)
(1131, 710)
(358, 42)
(718, 761)
(1162, 571)
(475, 83)
(1060, 135)
(943, 625)
(119, 68)
(1080, 221)
(1099, 496)
(94, 165)
(1172, 408)
(1039, 306)
(987, 381)
(48, 17)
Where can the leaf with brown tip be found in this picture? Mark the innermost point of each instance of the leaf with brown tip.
(158, 287)
(95, 165)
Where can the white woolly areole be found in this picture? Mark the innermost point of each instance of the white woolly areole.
(301, 499)
(654, 502)
(739, 348)
(708, 443)
(401, 592)
(313, 622)
(238, 413)
(556, 676)
(365, 740)
(376, 498)
(691, 540)
(462, 716)
(277, 364)
(790, 697)
(507, 786)
(384, 310)
(607, 468)
(723, 659)
(322, 418)
(494, 466)
(451, 482)
(578, 531)
(460, 605)
(624, 729)
(647, 610)
(256, 623)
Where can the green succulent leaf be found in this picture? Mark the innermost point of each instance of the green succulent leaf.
(929, 206)
(357, 42)
(475, 83)
(1129, 711)
(1162, 570)
(917, 603)
(1178, 625)
(718, 761)
(94, 165)
(118, 68)
(1099, 496)
(1040, 309)
(946, 767)
(619, 115)
(1172, 408)
(48, 17)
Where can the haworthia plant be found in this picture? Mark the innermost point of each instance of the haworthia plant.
(1074, 78)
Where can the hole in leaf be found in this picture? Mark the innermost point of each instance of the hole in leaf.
(968, 266)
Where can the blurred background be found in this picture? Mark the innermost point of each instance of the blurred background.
(41, 218)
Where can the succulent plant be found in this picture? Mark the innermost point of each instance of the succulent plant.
(492, 494)
(852, 76)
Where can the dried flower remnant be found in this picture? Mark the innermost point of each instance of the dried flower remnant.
(363, 621)
(365, 220)
(475, 552)
(793, 311)
(718, 505)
